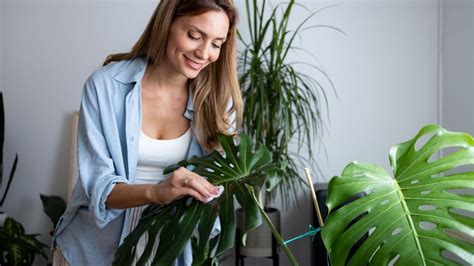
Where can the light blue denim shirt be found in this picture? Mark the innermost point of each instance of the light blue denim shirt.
(107, 149)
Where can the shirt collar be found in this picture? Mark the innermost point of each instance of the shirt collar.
(132, 72)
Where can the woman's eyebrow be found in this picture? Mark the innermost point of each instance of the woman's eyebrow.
(204, 33)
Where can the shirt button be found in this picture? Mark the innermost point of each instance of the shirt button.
(131, 139)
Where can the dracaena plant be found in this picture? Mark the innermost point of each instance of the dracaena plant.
(282, 103)
(412, 218)
(241, 169)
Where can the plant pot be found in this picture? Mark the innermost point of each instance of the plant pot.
(260, 241)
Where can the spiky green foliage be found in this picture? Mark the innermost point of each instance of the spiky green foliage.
(238, 168)
(413, 218)
(281, 102)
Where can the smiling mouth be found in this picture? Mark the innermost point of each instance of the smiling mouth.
(193, 64)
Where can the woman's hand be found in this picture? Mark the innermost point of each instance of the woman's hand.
(181, 183)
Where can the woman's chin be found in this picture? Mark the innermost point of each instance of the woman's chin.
(191, 74)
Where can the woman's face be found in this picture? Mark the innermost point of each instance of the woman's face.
(195, 41)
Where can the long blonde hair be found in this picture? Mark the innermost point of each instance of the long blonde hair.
(216, 84)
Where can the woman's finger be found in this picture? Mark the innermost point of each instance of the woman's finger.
(195, 184)
(211, 189)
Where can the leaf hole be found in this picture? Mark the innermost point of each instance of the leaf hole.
(444, 152)
(462, 212)
(384, 202)
(465, 168)
(222, 175)
(218, 164)
(189, 201)
(454, 257)
(238, 154)
(427, 207)
(459, 235)
(396, 231)
(236, 140)
(393, 260)
(371, 230)
(357, 245)
(173, 211)
(426, 192)
(231, 165)
(351, 199)
(210, 170)
(414, 181)
(461, 191)
(355, 220)
(428, 226)
(423, 140)
(375, 252)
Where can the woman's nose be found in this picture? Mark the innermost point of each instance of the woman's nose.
(202, 52)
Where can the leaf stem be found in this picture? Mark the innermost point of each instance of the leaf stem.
(272, 227)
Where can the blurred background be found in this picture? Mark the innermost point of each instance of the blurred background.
(401, 64)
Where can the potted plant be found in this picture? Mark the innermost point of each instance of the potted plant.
(282, 104)
(423, 215)
(3, 215)
(16, 247)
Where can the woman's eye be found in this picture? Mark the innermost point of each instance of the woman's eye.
(216, 46)
(193, 37)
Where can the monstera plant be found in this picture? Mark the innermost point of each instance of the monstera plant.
(416, 217)
(242, 170)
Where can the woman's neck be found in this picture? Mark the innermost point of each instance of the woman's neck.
(162, 77)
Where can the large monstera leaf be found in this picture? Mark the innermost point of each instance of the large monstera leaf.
(238, 167)
(412, 219)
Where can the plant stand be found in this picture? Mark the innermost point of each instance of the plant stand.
(260, 241)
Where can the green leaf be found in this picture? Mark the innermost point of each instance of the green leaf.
(410, 218)
(238, 166)
(13, 227)
(206, 224)
(54, 207)
(253, 218)
(16, 247)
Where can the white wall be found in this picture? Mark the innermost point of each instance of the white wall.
(385, 72)
(458, 65)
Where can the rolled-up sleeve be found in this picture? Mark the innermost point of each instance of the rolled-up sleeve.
(97, 172)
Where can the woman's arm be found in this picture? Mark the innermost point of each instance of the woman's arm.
(179, 184)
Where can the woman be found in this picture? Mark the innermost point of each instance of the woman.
(164, 101)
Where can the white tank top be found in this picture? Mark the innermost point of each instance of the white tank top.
(154, 155)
